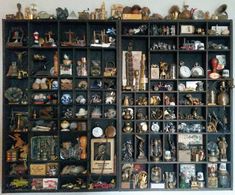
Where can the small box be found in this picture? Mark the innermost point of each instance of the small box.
(154, 71)
(184, 155)
(125, 185)
(38, 169)
(132, 16)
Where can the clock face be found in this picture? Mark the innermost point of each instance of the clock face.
(155, 127)
(197, 71)
(97, 132)
(185, 72)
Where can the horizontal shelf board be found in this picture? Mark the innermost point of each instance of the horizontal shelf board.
(193, 79)
(38, 105)
(190, 106)
(163, 36)
(219, 36)
(17, 47)
(192, 51)
(180, 120)
(211, 106)
(72, 176)
(163, 79)
(18, 105)
(192, 35)
(43, 48)
(46, 119)
(43, 76)
(16, 77)
(43, 161)
(101, 48)
(72, 132)
(192, 91)
(43, 176)
(218, 50)
(135, 36)
(71, 161)
(73, 47)
(163, 51)
(44, 90)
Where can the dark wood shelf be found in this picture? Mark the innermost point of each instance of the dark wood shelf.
(141, 42)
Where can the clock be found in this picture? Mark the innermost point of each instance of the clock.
(155, 127)
(185, 71)
(197, 71)
(97, 132)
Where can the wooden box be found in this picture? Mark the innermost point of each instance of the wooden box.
(132, 16)
(37, 169)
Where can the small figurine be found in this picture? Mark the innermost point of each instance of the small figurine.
(62, 14)
(142, 182)
(19, 14)
(156, 149)
(222, 144)
(36, 39)
(127, 151)
(141, 155)
(18, 141)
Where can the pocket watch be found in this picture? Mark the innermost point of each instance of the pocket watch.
(197, 70)
(110, 131)
(97, 132)
(155, 127)
(185, 71)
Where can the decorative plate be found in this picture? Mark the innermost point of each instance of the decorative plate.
(13, 94)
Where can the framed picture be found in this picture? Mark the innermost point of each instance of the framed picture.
(187, 29)
(222, 62)
(102, 156)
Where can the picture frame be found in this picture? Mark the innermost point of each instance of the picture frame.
(187, 29)
(102, 156)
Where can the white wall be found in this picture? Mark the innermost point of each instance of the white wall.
(159, 6)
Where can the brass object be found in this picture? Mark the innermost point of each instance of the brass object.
(19, 14)
(220, 12)
(222, 144)
(174, 12)
(141, 145)
(156, 174)
(128, 114)
(142, 73)
(56, 64)
(83, 145)
(223, 97)
(156, 150)
(185, 14)
(127, 128)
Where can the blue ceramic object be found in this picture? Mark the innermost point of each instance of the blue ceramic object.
(66, 99)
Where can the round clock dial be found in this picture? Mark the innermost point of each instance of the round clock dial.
(185, 72)
(97, 132)
(197, 71)
(155, 127)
